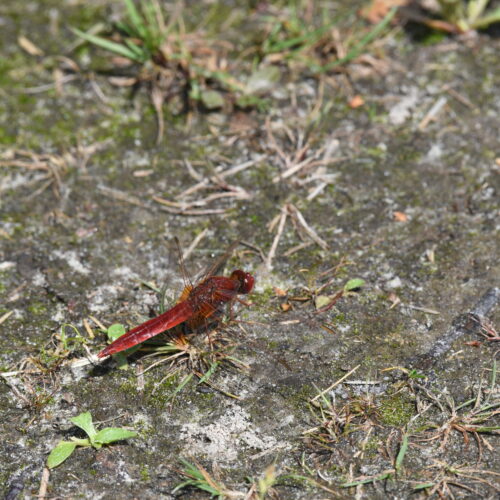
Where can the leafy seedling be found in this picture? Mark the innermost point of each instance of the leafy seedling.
(353, 284)
(324, 303)
(457, 16)
(199, 478)
(96, 439)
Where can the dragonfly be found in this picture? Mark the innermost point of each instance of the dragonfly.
(196, 306)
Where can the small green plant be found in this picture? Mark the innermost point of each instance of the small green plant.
(353, 284)
(325, 302)
(66, 341)
(294, 39)
(177, 65)
(96, 439)
(143, 33)
(387, 474)
(414, 374)
(461, 16)
(199, 478)
(265, 483)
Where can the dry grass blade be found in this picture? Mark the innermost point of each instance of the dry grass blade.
(279, 232)
(220, 175)
(194, 244)
(294, 212)
(5, 316)
(54, 166)
(167, 207)
(214, 182)
(335, 384)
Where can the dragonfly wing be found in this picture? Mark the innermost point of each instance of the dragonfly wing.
(179, 313)
(218, 265)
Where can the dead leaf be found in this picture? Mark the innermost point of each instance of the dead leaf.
(400, 217)
(121, 62)
(143, 173)
(122, 81)
(356, 102)
(376, 10)
(285, 306)
(29, 46)
(394, 299)
(322, 300)
(279, 292)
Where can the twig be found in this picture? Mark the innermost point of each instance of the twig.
(43, 88)
(5, 316)
(276, 240)
(422, 309)
(121, 196)
(297, 248)
(432, 113)
(335, 384)
(207, 211)
(459, 97)
(44, 482)
(192, 172)
(88, 328)
(194, 244)
(98, 323)
(312, 234)
(255, 248)
(220, 175)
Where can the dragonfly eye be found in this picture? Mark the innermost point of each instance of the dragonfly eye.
(246, 280)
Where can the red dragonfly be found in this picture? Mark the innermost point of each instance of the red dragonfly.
(196, 304)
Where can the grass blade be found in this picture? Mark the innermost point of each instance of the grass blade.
(136, 18)
(356, 51)
(114, 47)
(402, 452)
(209, 372)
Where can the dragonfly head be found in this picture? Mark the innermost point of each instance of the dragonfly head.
(246, 280)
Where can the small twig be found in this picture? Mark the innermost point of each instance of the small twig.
(335, 384)
(88, 328)
(220, 175)
(422, 309)
(121, 196)
(194, 244)
(432, 113)
(308, 229)
(166, 207)
(276, 240)
(363, 382)
(192, 172)
(98, 323)
(139, 370)
(18, 372)
(48, 86)
(255, 248)
(44, 482)
(297, 248)
(6, 316)
(459, 97)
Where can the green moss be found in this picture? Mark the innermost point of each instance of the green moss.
(262, 298)
(396, 410)
(129, 387)
(6, 138)
(145, 476)
(162, 395)
(376, 152)
(37, 308)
